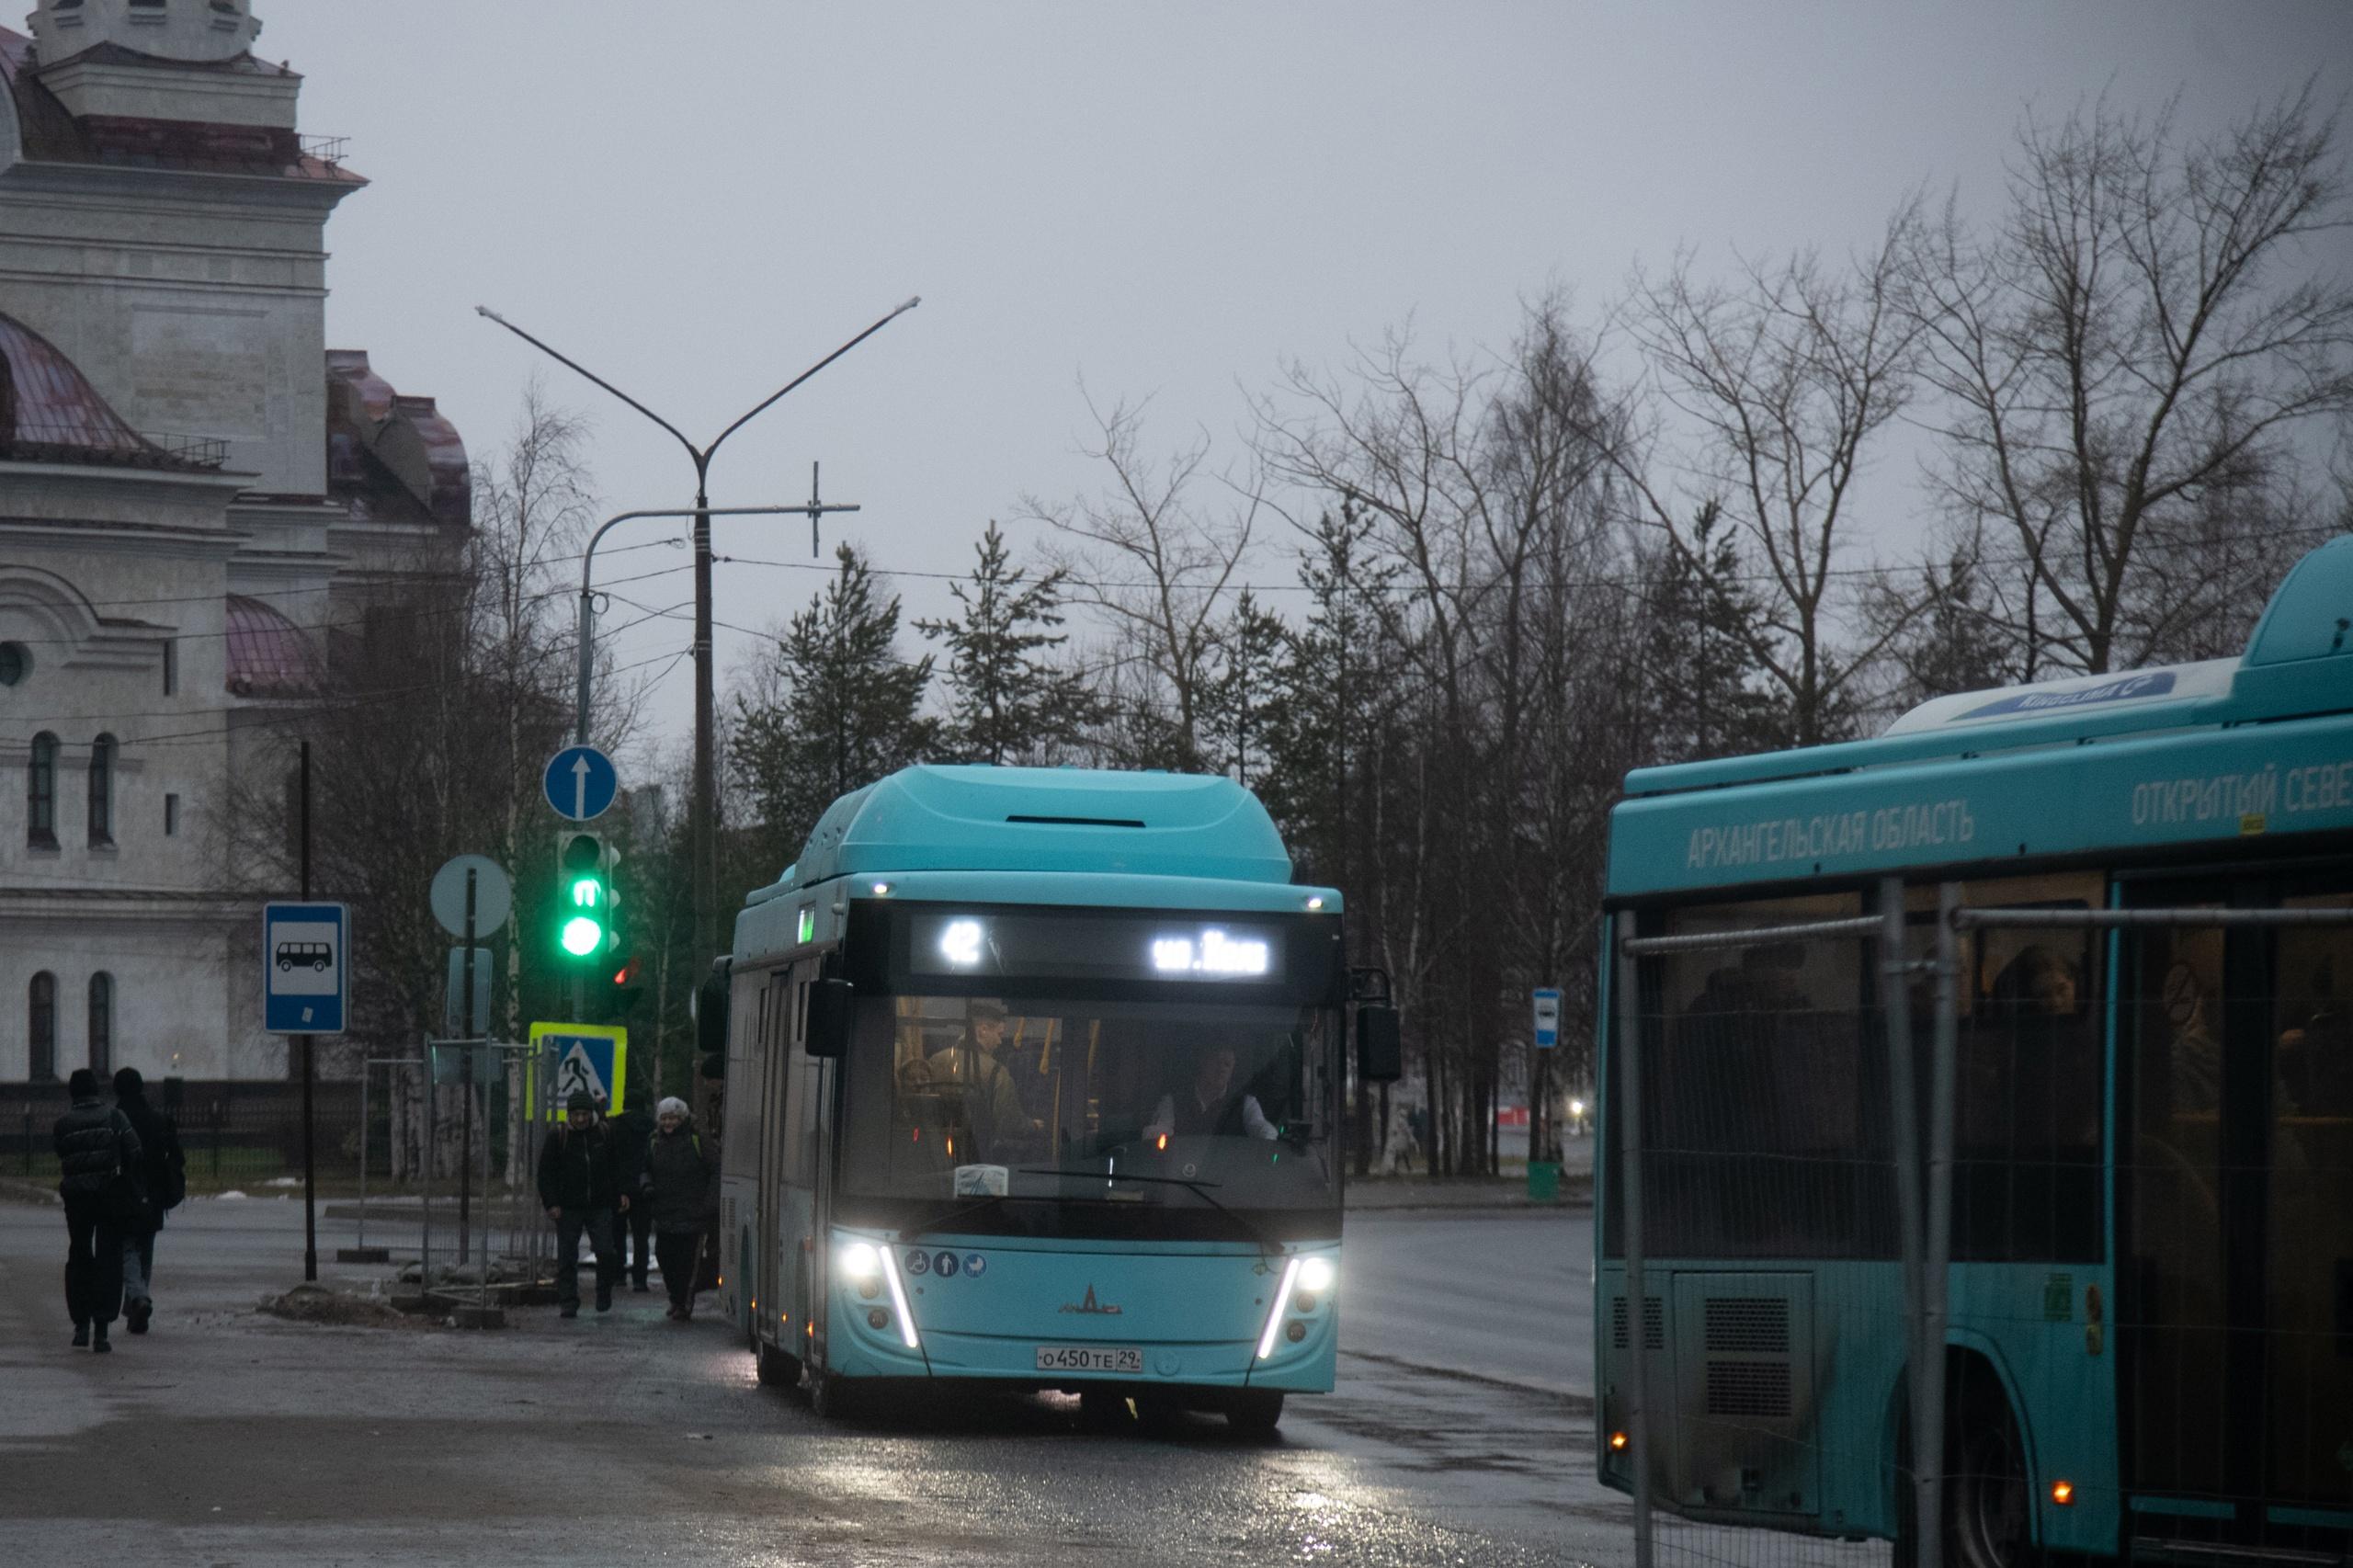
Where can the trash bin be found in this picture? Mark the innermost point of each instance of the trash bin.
(1543, 1181)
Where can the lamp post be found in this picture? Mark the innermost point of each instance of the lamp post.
(703, 827)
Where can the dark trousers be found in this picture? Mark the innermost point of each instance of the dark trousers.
(640, 1219)
(92, 1264)
(139, 1264)
(679, 1252)
(598, 1224)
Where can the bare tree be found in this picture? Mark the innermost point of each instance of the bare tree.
(1774, 388)
(2126, 362)
(1152, 562)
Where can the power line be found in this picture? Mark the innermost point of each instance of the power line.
(361, 620)
(1632, 582)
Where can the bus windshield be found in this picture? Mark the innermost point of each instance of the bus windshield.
(1155, 1109)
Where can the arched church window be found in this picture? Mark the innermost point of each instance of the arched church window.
(102, 1023)
(41, 1018)
(40, 792)
(102, 789)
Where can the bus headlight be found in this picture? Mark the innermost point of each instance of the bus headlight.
(1315, 1274)
(859, 1261)
(1274, 1314)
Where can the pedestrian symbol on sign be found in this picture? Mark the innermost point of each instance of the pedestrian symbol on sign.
(577, 1074)
(589, 1059)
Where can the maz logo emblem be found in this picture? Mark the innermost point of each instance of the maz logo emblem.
(1089, 1305)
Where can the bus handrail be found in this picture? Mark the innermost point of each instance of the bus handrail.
(2110, 919)
(1700, 941)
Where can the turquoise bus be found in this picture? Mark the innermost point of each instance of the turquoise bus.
(1033, 1079)
(2126, 904)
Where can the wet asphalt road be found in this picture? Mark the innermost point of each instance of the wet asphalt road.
(1460, 1433)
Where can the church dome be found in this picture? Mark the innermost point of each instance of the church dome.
(192, 32)
(50, 412)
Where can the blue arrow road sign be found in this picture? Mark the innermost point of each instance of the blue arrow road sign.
(580, 783)
(1548, 1018)
(305, 967)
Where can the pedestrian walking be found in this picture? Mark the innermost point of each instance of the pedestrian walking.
(632, 1136)
(97, 1154)
(163, 1169)
(682, 1188)
(580, 1187)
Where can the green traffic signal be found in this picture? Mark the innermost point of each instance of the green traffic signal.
(582, 933)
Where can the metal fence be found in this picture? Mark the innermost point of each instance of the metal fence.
(237, 1137)
(1859, 1279)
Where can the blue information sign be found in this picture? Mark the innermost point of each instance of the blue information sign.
(580, 783)
(305, 967)
(1548, 1018)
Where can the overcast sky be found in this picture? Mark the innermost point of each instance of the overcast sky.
(1168, 200)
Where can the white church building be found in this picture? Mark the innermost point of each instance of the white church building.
(194, 494)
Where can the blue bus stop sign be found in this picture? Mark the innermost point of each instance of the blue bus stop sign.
(305, 967)
(1548, 1018)
(580, 783)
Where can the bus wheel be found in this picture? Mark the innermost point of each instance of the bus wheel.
(1256, 1411)
(1100, 1410)
(1986, 1499)
(831, 1398)
(777, 1368)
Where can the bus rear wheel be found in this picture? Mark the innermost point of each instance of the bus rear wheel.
(1256, 1411)
(1986, 1498)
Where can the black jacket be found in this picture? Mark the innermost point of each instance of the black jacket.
(94, 1139)
(682, 1173)
(578, 1171)
(632, 1133)
(160, 1157)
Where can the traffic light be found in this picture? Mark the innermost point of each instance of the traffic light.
(584, 897)
(616, 997)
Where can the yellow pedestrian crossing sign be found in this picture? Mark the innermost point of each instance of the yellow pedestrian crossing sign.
(581, 1058)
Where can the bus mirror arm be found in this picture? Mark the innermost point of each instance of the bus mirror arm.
(711, 1000)
(1380, 1055)
(826, 1033)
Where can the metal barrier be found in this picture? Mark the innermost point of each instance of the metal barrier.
(1801, 1369)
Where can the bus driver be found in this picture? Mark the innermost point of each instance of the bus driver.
(1210, 1106)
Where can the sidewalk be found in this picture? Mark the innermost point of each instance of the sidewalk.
(1462, 1192)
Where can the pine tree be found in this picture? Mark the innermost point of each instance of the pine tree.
(1012, 704)
(1240, 715)
(836, 708)
(1953, 644)
(1710, 692)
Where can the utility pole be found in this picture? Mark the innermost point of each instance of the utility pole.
(703, 813)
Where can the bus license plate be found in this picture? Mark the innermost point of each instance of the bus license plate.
(1089, 1359)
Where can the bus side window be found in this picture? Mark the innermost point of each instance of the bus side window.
(2028, 1083)
(801, 1159)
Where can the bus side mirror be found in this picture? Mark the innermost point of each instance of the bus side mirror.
(711, 1014)
(827, 1034)
(1380, 1057)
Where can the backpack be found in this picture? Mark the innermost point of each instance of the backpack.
(173, 1191)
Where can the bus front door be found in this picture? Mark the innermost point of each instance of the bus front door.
(2235, 1327)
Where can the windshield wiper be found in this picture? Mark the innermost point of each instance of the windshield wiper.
(911, 1232)
(1266, 1239)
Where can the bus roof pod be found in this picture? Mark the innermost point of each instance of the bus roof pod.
(1045, 819)
(2299, 662)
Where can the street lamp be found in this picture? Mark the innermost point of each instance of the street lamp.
(705, 806)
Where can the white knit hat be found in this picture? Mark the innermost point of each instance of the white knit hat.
(673, 1106)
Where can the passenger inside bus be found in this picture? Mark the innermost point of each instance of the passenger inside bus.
(976, 1090)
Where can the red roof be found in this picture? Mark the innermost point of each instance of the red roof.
(50, 412)
(268, 655)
